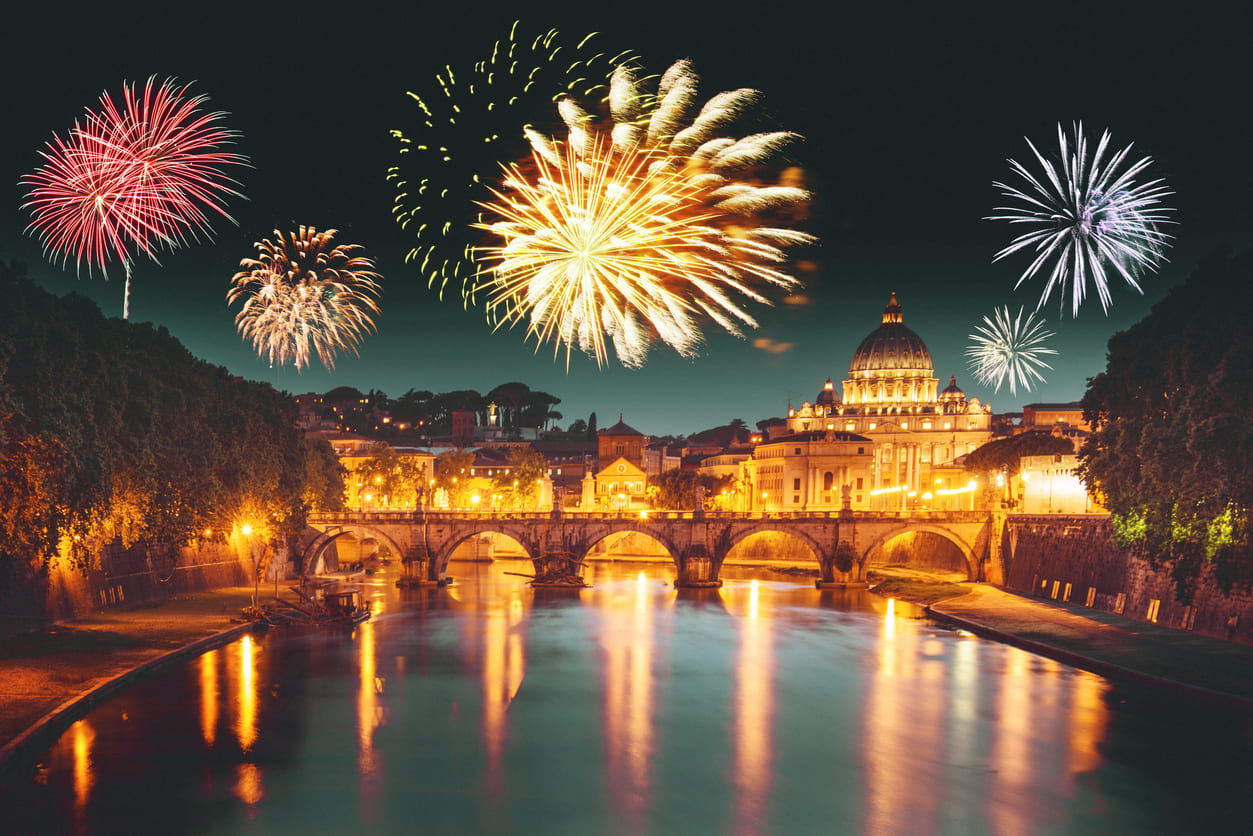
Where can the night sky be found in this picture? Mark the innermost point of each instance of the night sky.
(910, 112)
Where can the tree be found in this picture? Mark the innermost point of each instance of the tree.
(591, 427)
(519, 481)
(391, 478)
(453, 470)
(1172, 454)
(324, 476)
(677, 489)
(577, 427)
(1002, 455)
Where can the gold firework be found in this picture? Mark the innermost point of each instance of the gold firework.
(641, 231)
(303, 295)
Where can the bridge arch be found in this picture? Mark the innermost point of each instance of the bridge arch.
(443, 556)
(792, 532)
(967, 551)
(315, 553)
(593, 534)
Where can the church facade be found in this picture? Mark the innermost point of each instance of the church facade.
(886, 441)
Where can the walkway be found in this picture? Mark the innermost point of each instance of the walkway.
(1107, 644)
(48, 679)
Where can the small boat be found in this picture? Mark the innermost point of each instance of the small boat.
(344, 606)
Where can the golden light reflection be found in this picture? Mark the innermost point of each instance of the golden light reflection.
(628, 647)
(249, 788)
(82, 735)
(1088, 719)
(367, 700)
(504, 666)
(209, 697)
(752, 767)
(246, 696)
(1010, 758)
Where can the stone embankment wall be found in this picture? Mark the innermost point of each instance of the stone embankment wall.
(1074, 559)
(118, 577)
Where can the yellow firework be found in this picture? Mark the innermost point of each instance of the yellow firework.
(303, 295)
(639, 232)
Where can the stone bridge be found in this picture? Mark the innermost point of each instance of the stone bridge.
(843, 543)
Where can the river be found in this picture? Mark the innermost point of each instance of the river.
(763, 707)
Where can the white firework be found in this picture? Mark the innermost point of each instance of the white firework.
(636, 227)
(1088, 217)
(1009, 349)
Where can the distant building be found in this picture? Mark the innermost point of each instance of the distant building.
(621, 442)
(1051, 485)
(891, 403)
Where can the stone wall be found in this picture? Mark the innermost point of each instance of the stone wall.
(1074, 559)
(118, 577)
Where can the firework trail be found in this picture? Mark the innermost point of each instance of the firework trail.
(640, 231)
(470, 120)
(1009, 349)
(134, 177)
(302, 295)
(1086, 216)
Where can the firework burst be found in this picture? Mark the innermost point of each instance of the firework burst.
(304, 296)
(1009, 349)
(1088, 217)
(134, 177)
(467, 122)
(642, 230)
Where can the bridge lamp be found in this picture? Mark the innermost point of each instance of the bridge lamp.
(246, 529)
(475, 499)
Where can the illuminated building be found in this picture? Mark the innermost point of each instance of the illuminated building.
(889, 428)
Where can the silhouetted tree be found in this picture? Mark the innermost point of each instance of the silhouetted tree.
(1172, 454)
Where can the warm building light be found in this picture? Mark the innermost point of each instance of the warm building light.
(247, 529)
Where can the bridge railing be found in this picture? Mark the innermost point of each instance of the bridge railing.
(410, 516)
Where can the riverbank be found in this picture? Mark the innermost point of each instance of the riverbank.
(48, 679)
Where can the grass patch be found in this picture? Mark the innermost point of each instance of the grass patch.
(916, 590)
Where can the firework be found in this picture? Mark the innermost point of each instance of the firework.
(639, 231)
(1088, 217)
(303, 295)
(132, 178)
(469, 120)
(1006, 349)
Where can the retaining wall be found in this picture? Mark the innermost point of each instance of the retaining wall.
(1074, 559)
(118, 577)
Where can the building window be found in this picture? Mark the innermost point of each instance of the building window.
(796, 499)
(859, 483)
(796, 484)
(828, 479)
(861, 451)
(798, 452)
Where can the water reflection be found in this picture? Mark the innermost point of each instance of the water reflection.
(762, 707)
(82, 735)
(753, 730)
(629, 645)
(209, 696)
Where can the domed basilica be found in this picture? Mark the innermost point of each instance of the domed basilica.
(887, 442)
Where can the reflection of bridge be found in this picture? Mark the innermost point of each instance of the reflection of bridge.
(843, 543)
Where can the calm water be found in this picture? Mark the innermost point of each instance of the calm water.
(765, 707)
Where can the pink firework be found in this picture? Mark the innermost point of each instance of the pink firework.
(137, 175)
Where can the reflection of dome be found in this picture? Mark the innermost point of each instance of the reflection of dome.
(892, 347)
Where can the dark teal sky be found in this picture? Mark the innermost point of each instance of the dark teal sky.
(910, 112)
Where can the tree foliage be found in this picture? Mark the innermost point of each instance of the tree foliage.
(453, 469)
(391, 478)
(113, 430)
(519, 481)
(1003, 454)
(677, 489)
(1172, 457)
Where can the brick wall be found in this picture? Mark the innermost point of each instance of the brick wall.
(1073, 559)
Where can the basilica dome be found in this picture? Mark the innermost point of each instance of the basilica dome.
(892, 366)
(891, 347)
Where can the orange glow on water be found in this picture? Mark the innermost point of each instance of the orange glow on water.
(246, 696)
(83, 735)
(209, 697)
(753, 716)
(249, 787)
